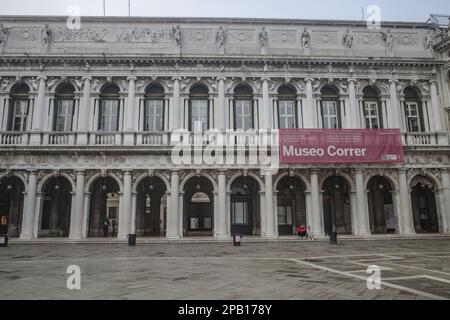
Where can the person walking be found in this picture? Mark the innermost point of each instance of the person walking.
(106, 225)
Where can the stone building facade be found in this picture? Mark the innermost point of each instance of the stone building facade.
(87, 119)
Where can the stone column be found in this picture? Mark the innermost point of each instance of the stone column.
(446, 195)
(222, 207)
(38, 113)
(125, 215)
(406, 224)
(222, 110)
(176, 118)
(316, 215)
(271, 228)
(30, 208)
(436, 106)
(361, 199)
(129, 112)
(4, 112)
(76, 225)
(173, 222)
(84, 113)
(267, 107)
(353, 110)
(309, 110)
(396, 121)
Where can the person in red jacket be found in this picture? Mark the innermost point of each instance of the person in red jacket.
(301, 231)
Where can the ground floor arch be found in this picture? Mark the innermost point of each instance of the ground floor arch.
(291, 205)
(11, 205)
(381, 206)
(104, 208)
(424, 208)
(198, 207)
(56, 208)
(337, 205)
(245, 207)
(151, 208)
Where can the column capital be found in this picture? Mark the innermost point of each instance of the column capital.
(127, 172)
(264, 79)
(33, 171)
(41, 78)
(86, 78)
(393, 81)
(315, 171)
(352, 80)
(310, 80)
(402, 170)
(433, 81)
(221, 78)
(176, 78)
(134, 78)
(80, 172)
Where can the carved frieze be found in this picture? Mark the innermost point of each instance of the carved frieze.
(325, 37)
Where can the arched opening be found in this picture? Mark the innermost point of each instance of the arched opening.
(199, 108)
(64, 108)
(19, 108)
(372, 108)
(56, 208)
(11, 206)
(330, 108)
(424, 208)
(109, 108)
(243, 118)
(287, 108)
(104, 208)
(154, 109)
(291, 205)
(151, 208)
(413, 110)
(381, 206)
(245, 206)
(198, 207)
(336, 206)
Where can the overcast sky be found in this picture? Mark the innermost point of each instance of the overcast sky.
(392, 10)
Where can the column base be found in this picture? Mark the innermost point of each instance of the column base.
(26, 237)
(173, 238)
(223, 237)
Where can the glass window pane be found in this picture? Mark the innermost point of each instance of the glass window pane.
(199, 115)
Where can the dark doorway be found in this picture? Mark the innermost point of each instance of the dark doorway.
(11, 205)
(336, 206)
(198, 207)
(244, 206)
(57, 201)
(291, 205)
(151, 208)
(423, 202)
(104, 203)
(381, 206)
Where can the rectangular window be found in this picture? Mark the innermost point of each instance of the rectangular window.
(109, 115)
(413, 117)
(371, 113)
(330, 115)
(153, 115)
(20, 115)
(64, 115)
(243, 114)
(286, 114)
(239, 213)
(199, 115)
(284, 216)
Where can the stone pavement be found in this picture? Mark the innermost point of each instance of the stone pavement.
(411, 269)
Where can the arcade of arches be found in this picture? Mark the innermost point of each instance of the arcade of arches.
(204, 203)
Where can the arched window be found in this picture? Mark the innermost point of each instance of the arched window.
(413, 111)
(372, 109)
(109, 109)
(65, 105)
(243, 108)
(154, 109)
(331, 113)
(19, 107)
(287, 103)
(199, 108)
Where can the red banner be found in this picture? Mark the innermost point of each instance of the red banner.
(341, 146)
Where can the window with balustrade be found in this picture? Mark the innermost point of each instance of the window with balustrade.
(154, 109)
(372, 108)
(109, 109)
(287, 108)
(19, 107)
(199, 108)
(243, 108)
(64, 108)
(330, 108)
(413, 111)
